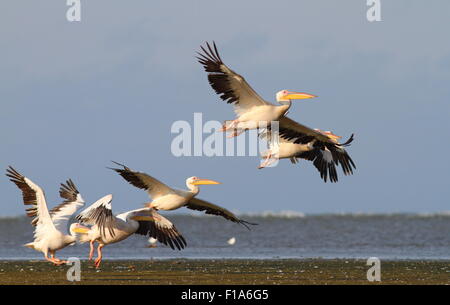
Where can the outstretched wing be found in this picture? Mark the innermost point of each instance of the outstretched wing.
(209, 208)
(153, 186)
(163, 230)
(100, 214)
(73, 201)
(230, 86)
(326, 153)
(300, 134)
(34, 196)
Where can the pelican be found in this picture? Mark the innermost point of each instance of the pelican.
(165, 198)
(105, 228)
(252, 111)
(321, 147)
(49, 235)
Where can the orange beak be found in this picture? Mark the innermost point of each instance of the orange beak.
(298, 95)
(204, 181)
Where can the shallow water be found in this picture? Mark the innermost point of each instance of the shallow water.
(400, 236)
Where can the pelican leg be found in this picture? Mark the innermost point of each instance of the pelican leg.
(230, 126)
(91, 251)
(52, 258)
(236, 132)
(52, 255)
(98, 260)
(266, 161)
(59, 261)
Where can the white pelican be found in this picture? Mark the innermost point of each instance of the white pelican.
(320, 147)
(165, 198)
(252, 111)
(49, 235)
(108, 229)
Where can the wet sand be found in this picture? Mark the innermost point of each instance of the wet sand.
(227, 271)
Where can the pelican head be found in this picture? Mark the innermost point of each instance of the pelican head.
(330, 135)
(78, 228)
(197, 181)
(287, 96)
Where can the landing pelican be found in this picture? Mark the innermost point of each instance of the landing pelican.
(252, 111)
(48, 234)
(165, 198)
(108, 229)
(321, 147)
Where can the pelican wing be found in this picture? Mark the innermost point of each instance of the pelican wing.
(231, 86)
(153, 186)
(325, 160)
(99, 214)
(298, 133)
(209, 208)
(34, 196)
(73, 201)
(163, 230)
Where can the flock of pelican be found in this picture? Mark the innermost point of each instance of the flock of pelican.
(98, 224)
(296, 141)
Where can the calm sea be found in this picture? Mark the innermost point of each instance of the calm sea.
(285, 235)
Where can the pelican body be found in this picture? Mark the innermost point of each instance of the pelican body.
(320, 147)
(49, 235)
(166, 198)
(105, 228)
(179, 198)
(252, 111)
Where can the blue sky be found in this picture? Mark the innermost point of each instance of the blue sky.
(76, 95)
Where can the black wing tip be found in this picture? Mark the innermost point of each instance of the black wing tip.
(119, 170)
(349, 141)
(247, 224)
(120, 164)
(209, 54)
(13, 173)
(68, 186)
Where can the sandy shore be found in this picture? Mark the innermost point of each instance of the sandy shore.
(226, 271)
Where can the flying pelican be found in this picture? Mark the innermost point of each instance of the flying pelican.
(108, 229)
(252, 111)
(321, 147)
(165, 198)
(50, 225)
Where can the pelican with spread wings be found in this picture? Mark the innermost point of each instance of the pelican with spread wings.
(166, 198)
(50, 226)
(251, 109)
(98, 224)
(296, 141)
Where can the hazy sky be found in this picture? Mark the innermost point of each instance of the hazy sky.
(76, 95)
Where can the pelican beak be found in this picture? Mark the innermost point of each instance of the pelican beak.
(333, 137)
(204, 181)
(81, 229)
(142, 216)
(298, 95)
